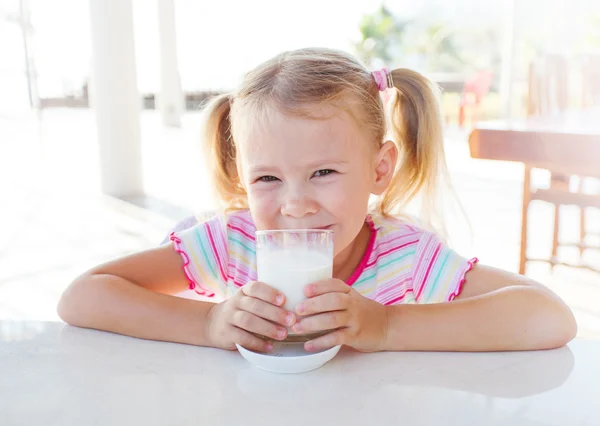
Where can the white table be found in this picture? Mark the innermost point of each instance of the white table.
(54, 374)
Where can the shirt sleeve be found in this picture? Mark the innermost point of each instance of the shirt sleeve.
(182, 225)
(438, 272)
(203, 249)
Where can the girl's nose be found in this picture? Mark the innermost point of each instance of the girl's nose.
(298, 206)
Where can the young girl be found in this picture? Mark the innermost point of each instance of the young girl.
(305, 143)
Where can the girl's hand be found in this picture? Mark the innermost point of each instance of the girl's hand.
(254, 308)
(333, 304)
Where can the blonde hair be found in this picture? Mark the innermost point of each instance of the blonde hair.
(294, 82)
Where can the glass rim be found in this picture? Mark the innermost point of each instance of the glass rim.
(294, 231)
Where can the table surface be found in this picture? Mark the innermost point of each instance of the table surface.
(567, 143)
(55, 374)
(583, 121)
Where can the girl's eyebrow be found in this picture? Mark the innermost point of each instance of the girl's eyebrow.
(319, 163)
(263, 168)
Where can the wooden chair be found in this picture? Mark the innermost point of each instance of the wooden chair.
(590, 83)
(549, 95)
(472, 95)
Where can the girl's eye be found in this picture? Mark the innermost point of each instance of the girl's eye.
(324, 172)
(267, 179)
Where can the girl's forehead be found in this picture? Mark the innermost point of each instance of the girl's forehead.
(335, 134)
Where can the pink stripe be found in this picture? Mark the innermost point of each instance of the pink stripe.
(186, 262)
(238, 283)
(398, 299)
(385, 253)
(363, 262)
(244, 220)
(220, 236)
(241, 272)
(456, 293)
(241, 267)
(394, 242)
(238, 265)
(392, 286)
(429, 267)
(406, 236)
(241, 231)
(419, 256)
(240, 279)
(425, 243)
(216, 252)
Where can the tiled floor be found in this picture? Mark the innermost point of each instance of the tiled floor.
(54, 223)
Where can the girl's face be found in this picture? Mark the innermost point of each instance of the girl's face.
(306, 173)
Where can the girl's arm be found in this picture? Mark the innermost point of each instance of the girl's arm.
(495, 311)
(133, 296)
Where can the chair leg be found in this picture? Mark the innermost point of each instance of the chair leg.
(475, 113)
(581, 220)
(554, 258)
(581, 230)
(525, 209)
(461, 116)
(559, 181)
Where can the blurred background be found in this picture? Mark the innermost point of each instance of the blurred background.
(100, 107)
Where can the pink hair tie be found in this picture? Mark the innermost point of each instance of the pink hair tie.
(383, 78)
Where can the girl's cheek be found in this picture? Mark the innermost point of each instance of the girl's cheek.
(262, 202)
(337, 196)
(263, 195)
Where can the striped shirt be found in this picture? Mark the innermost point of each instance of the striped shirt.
(402, 263)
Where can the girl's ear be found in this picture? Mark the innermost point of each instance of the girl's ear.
(385, 165)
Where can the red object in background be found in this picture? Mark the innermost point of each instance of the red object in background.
(478, 86)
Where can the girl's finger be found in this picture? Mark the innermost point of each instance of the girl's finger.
(320, 322)
(250, 342)
(254, 324)
(327, 341)
(266, 310)
(264, 292)
(326, 286)
(328, 302)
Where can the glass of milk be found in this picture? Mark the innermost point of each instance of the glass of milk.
(288, 260)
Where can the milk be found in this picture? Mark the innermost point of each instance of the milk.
(290, 270)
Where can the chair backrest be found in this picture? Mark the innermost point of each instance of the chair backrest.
(479, 84)
(590, 81)
(549, 93)
(548, 85)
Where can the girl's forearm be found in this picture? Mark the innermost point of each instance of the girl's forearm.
(110, 303)
(512, 318)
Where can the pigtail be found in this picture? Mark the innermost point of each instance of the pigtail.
(415, 124)
(221, 152)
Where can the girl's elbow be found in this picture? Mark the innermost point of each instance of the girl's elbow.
(68, 307)
(65, 310)
(568, 325)
(563, 331)
(557, 324)
(569, 330)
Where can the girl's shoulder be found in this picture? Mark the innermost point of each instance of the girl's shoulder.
(217, 249)
(236, 222)
(214, 216)
(394, 226)
(239, 222)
